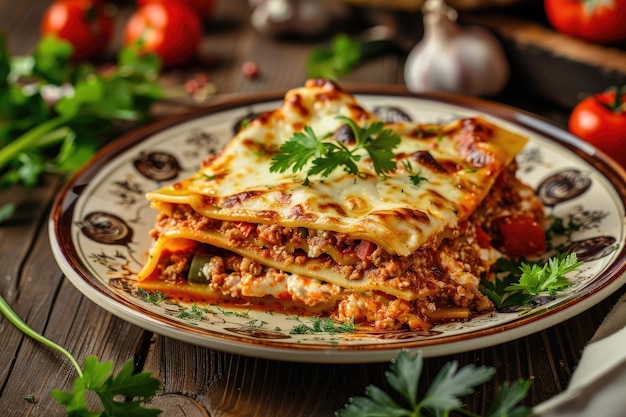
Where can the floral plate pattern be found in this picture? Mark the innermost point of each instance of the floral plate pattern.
(100, 222)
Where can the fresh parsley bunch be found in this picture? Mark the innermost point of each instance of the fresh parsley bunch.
(442, 397)
(53, 113)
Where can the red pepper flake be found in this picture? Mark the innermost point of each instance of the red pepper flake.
(250, 69)
(191, 86)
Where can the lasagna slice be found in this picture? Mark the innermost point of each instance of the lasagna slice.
(398, 248)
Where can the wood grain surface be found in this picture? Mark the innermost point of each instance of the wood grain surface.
(199, 381)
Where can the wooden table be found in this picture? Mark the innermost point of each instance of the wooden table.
(198, 381)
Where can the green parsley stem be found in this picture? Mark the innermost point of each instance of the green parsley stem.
(6, 310)
(29, 139)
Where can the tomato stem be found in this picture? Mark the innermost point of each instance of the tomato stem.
(617, 106)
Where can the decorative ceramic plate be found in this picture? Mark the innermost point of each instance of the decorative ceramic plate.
(100, 223)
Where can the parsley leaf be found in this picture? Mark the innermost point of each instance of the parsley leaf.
(508, 396)
(297, 151)
(94, 376)
(127, 384)
(335, 155)
(378, 143)
(450, 384)
(441, 398)
(326, 156)
(525, 280)
(344, 54)
(417, 178)
(549, 278)
(496, 290)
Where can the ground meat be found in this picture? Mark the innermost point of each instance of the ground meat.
(381, 312)
(271, 233)
(509, 197)
(234, 236)
(174, 267)
(444, 277)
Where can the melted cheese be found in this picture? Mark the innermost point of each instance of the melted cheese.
(392, 211)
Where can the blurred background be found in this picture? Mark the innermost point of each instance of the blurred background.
(560, 56)
(550, 57)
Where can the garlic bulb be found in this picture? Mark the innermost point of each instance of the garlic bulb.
(455, 59)
(301, 17)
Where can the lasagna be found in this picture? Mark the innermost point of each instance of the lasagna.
(392, 238)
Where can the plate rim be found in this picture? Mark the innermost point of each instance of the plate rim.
(65, 202)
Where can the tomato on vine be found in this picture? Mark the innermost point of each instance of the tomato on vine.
(601, 21)
(600, 119)
(85, 24)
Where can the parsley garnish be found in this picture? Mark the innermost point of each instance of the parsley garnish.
(324, 325)
(549, 278)
(153, 297)
(417, 178)
(442, 397)
(194, 312)
(498, 294)
(120, 395)
(525, 280)
(326, 156)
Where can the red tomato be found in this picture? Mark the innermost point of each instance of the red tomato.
(592, 20)
(520, 236)
(204, 8)
(482, 238)
(601, 120)
(364, 249)
(83, 23)
(245, 228)
(168, 28)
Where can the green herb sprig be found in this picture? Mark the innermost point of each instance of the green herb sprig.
(324, 325)
(326, 156)
(344, 54)
(524, 280)
(550, 277)
(135, 388)
(442, 397)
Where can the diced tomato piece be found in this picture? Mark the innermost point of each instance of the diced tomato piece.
(501, 180)
(521, 236)
(364, 249)
(245, 228)
(483, 239)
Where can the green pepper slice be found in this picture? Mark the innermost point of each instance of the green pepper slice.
(195, 273)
